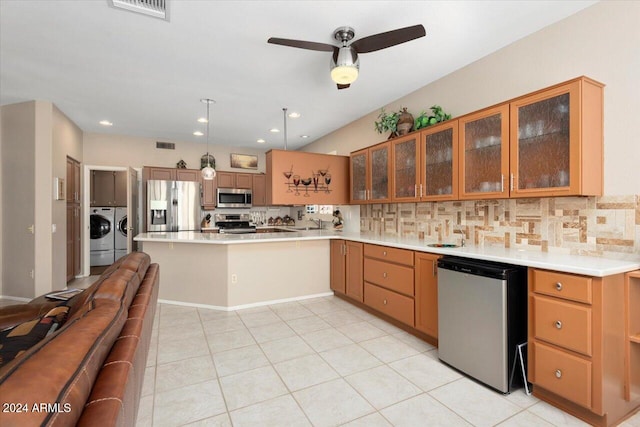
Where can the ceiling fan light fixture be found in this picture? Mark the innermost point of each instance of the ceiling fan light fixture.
(345, 66)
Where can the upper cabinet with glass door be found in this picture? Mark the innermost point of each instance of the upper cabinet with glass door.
(406, 168)
(439, 162)
(371, 174)
(484, 153)
(556, 141)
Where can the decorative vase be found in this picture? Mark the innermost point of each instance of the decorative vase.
(181, 164)
(405, 122)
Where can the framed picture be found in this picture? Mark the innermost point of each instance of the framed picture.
(244, 161)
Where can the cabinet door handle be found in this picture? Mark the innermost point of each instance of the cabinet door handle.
(421, 191)
(415, 190)
(511, 180)
(384, 253)
(558, 324)
(384, 302)
(502, 183)
(558, 373)
(384, 274)
(558, 286)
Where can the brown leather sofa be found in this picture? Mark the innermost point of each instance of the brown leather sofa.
(89, 371)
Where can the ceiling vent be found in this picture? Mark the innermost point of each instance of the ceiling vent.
(155, 8)
(165, 145)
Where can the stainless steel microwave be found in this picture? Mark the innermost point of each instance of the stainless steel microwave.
(233, 198)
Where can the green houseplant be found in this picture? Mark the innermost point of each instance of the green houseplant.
(424, 119)
(387, 122)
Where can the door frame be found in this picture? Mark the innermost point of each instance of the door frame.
(86, 208)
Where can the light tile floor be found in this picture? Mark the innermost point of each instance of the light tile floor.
(320, 362)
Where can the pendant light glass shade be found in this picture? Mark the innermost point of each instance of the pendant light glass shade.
(208, 172)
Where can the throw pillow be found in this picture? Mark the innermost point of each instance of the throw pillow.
(15, 341)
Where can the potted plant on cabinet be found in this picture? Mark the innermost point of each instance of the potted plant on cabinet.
(424, 120)
(387, 122)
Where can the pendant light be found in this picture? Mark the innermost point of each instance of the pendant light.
(284, 114)
(208, 172)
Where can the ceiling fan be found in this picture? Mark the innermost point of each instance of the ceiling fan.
(344, 61)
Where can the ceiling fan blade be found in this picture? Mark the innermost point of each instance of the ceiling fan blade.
(388, 39)
(342, 86)
(302, 44)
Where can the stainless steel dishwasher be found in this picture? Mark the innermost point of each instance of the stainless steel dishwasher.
(482, 317)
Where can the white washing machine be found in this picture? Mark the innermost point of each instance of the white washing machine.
(121, 233)
(102, 233)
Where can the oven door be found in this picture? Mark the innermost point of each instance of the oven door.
(233, 198)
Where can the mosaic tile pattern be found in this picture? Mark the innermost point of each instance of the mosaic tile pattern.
(598, 226)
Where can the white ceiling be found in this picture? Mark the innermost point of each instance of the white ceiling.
(147, 75)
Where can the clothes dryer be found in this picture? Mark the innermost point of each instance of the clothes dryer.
(102, 233)
(121, 232)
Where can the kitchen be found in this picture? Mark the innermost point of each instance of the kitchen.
(500, 76)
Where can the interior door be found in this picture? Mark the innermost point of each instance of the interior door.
(132, 208)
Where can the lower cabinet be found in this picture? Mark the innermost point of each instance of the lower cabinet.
(388, 282)
(576, 346)
(346, 269)
(353, 271)
(426, 298)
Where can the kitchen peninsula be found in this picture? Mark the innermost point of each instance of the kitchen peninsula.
(230, 271)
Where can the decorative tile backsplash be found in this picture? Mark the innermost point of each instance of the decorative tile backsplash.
(598, 226)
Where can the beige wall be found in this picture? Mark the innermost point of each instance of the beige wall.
(601, 42)
(120, 150)
(18, 202)
(36, 139)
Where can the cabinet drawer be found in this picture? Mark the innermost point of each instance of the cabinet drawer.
(563, 323)
(391, 276)
(561, 285)
(390, 303)
(563, 374)
(399, 256)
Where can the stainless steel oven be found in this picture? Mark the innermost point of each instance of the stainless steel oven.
(233, 198)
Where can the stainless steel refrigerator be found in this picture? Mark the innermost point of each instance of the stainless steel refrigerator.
(173, 206)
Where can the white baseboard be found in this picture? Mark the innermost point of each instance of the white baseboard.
(243, 306)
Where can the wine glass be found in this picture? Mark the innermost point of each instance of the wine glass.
(306, 183)
(327, 180)
(287, 175)
(315, 182)
(296, 182)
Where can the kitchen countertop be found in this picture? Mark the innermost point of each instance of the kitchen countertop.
(578, 264)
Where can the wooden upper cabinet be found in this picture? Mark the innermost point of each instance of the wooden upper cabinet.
(259, 194)
(120, 188)
(301, 178)
(359, 173)
(188, 175)
(374, 165)
(170, 174)
(439, 157)
(484, 153)
(226, 179)
(244, 180)
(557, 140)
(405, 155)
(157, 173)
(103, 186)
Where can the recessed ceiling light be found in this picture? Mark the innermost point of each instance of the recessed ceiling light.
(304, 136)
(261, 141)
(294, 115)
(202, 120)
(274, 130)
(198, 133)
(105, 123)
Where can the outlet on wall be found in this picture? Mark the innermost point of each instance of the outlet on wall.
(234, 278)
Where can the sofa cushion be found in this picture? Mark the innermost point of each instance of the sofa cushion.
(15, 341)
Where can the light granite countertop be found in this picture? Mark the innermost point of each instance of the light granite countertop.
(578, 264)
